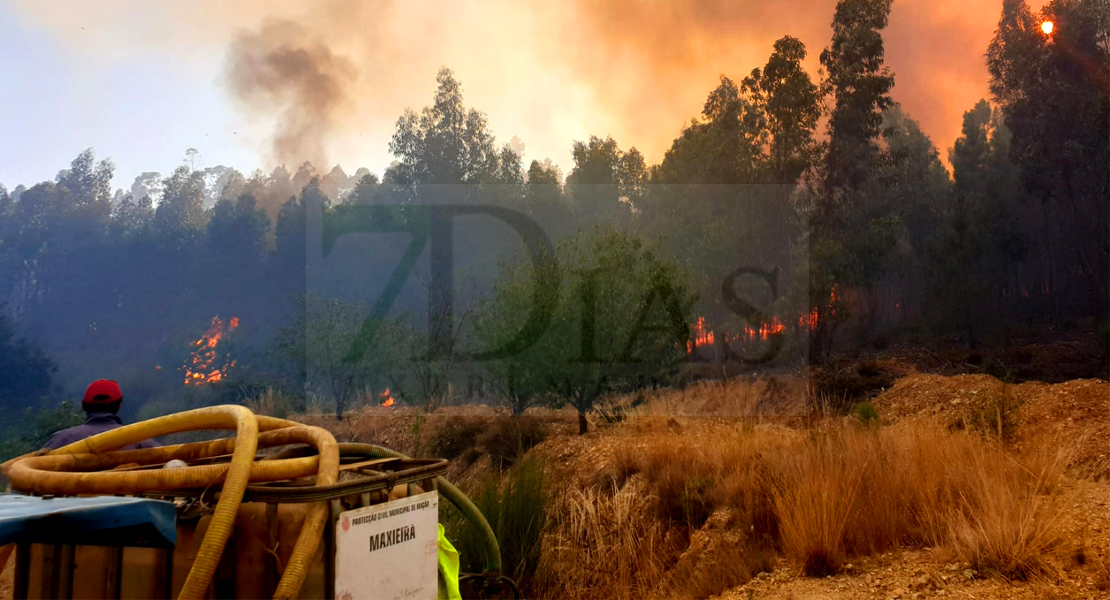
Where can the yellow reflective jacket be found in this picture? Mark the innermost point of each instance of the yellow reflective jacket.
(448, 569)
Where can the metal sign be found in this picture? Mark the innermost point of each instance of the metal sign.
(388, 551)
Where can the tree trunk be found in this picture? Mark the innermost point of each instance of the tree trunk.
(582, 424)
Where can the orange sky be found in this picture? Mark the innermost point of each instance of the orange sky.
(547, 72)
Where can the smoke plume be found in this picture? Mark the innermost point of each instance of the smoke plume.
(328, 78)
(285, 70)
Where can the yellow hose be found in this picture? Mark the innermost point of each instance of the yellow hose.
(55, 475)
(235, 481)
(235, 476)
(68, 474)
(85, 467)
(312, 529)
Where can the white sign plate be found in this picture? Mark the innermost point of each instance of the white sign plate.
(388, 551)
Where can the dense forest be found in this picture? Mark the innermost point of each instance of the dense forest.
(797, 217)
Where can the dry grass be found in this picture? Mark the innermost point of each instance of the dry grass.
(603, 545)
(770, 398)
(817, 497)
(273, 403)
(1009, 522)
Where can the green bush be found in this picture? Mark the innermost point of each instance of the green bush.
(33, 427)
(517, 507)
(866, 413)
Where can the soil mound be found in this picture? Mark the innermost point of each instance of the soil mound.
(1075, 412)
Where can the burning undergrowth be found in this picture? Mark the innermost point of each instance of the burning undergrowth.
(209, 362)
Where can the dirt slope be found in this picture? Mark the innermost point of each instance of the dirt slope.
(1075, 412)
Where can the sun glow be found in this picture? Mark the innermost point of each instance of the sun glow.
(1047, 27)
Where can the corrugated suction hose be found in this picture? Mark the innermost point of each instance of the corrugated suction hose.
(54, 473)
(85, 467)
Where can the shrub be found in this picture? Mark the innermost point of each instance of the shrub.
(517, 508)
(1009, 522)
(813, 496)
(840, 388)
(33, 427)
(866, 413)
(274, 403)
(820, 498)
(508, 438)
(998, 416)
(456, 438)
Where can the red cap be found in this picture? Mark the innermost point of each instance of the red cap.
(102, 391)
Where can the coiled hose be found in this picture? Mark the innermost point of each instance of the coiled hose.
(235, 481)
(47, 474)
(66, 471)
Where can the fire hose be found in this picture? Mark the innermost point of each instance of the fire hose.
(84, 467)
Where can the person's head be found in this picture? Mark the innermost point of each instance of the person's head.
(102, 395)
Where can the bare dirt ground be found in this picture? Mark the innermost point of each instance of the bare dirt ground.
(1077, 410)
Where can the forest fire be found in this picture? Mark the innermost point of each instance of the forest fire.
(704, 336)
(204, 365)
(765, 330)
(386, 398)
(809, 320)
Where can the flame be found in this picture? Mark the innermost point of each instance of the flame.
(204, 364)
(765, 330)
(387, 398)
(1047, 27)
(809, 321)
(703, 336)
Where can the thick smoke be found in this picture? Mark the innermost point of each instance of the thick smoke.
(334, 75)
(671, 53)
(290, 71)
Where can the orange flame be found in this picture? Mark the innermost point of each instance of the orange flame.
(703, 336)
(387, 398)
(203, 366)
(765, 330)
(809, 321)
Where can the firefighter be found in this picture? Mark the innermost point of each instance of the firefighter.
(101, 403)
